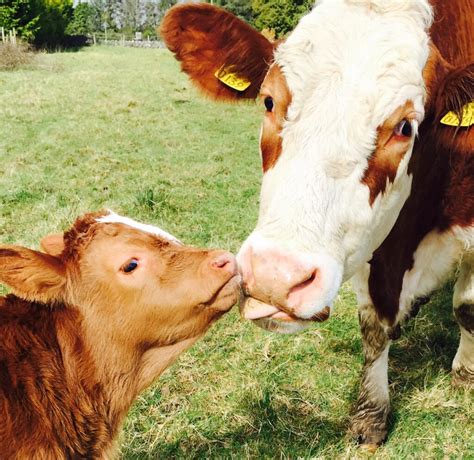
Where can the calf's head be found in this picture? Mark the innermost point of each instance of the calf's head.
(129, 281)
(343, 96)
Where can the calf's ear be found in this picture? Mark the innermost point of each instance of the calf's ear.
(53, 244)
(222, 54)
(32, 275)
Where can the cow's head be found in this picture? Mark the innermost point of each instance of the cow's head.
(343, 98)
(129, 281)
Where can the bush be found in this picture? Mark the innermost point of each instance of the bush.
(41, 22)
(84, 20)
(14, 55)
(281, 16)
(54, 16)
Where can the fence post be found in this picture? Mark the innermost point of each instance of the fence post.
(14, 35)
(94, 39)
(3, 34)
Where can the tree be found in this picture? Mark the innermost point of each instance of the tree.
(281, 16)
(241, 8)
(85, 20)
(21, 15)
(53, 20)
(42, 22)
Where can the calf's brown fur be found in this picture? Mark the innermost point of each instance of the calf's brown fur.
(81, 337)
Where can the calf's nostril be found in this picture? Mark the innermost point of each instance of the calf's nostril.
(225, 262)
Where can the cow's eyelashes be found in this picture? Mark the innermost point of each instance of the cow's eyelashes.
(268, 101)
(403, 129)
(129, 266)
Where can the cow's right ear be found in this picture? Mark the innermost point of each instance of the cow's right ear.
(32, 275)
(222, 54)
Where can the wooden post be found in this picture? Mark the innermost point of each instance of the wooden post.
(94, 39)
(3, 34)
(14, 35)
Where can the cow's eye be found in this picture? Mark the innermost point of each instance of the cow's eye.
(268, 101)
(403, 129)
(129, 266)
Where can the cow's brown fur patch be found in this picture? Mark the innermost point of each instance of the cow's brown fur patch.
(442, 194)
(383, 164)
(274, 86)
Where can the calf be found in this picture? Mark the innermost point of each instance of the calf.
(91, 323)
(368, 165)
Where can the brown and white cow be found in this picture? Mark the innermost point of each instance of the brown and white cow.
(92, 324)
(361, 179)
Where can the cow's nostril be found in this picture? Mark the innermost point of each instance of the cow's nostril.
(307, 282)
(303, 292)
(310, 279)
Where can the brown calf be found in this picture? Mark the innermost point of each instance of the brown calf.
(91, 324)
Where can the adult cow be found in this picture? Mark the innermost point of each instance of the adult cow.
(361, 177)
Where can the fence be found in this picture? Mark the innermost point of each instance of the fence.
(8, 35)
(128, 40)
(112, 39)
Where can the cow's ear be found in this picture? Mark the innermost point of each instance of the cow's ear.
(32, 275)
(222, 54)
(455, 95)
(53, 244)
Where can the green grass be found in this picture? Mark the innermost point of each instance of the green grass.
(122, 128)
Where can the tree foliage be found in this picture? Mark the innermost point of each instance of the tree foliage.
(45, 22)
(281, 16)
(241, 8)
(278, 16)
(42, 22)
(21, 15)
(85, 20)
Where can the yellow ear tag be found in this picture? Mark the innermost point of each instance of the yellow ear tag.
(451, 119)
(231, 79)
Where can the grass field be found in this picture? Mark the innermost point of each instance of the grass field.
(122, 128)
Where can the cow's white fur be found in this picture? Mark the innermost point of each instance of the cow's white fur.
(464, 294)
(435, 257)
(349, 65)
(114, 218)
(377, 378)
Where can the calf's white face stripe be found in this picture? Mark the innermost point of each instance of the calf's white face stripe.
(113, 218)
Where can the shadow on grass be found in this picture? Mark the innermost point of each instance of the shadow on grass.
(272, 429)
(281, 425)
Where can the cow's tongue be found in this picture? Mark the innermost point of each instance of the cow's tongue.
(255, 309)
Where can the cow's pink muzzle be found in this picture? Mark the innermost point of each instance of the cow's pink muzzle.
(283, 287)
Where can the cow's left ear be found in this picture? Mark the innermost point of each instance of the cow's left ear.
(32, 275)
(450, 89)
(53, 244)
(456, 95)
(222, 54)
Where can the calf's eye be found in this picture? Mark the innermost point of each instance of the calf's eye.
(403, 129)
(268, 101)
(129, 266)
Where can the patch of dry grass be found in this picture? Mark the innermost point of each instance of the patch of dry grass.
(15, 55)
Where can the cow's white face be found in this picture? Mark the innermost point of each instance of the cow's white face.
(343, 99)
